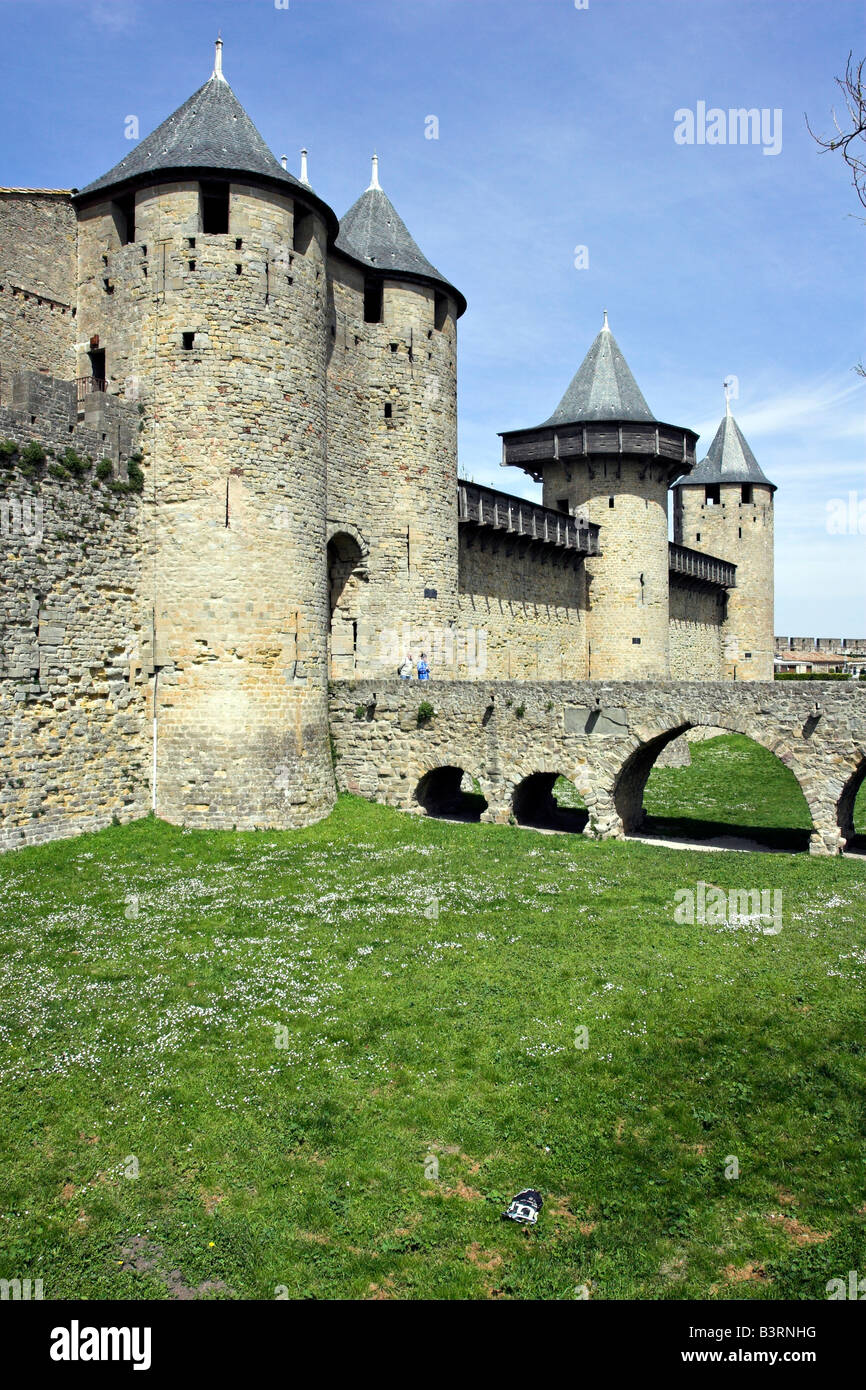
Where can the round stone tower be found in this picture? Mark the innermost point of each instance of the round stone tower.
(392, 446)
(603, 456)
(725, 508)
(203, 295)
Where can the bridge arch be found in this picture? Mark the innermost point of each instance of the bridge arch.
(443, 792)
(845, 807)
(535, 803)
(631, 780)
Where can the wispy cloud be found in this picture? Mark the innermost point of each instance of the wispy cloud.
(825, 404)
(115, 16)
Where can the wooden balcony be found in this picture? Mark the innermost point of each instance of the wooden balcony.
(484, 510)
(694, 564)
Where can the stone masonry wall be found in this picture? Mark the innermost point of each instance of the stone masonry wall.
(37, 283)
(392, 467)
(741, 532)
(222, 337)
(696, 631)
(73, 738)
(526, 610)
(628, 582)
(603, 736)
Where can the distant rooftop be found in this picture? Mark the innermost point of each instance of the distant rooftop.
(46, 192)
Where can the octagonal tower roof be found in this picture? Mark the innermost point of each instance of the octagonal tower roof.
(603, 387)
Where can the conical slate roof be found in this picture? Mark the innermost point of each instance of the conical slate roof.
(210, 131)
(729, 460)
(374, 233)
(602, 389)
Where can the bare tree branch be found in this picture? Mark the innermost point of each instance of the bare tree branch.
(852, 134)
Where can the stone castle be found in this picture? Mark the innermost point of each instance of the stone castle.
(228, 477)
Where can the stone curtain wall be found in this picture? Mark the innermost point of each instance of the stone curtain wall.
(73, 737)
(528, 608)
(604, 736)
(37, 283)
(696, 631)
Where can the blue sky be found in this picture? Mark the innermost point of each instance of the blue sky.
(556, 130)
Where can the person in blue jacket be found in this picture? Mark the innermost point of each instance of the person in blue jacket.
(423, 668)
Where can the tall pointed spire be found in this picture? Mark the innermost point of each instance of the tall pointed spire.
(603, 387)
(729, 458)
(218, 57)
(373, 233)
(210, 131)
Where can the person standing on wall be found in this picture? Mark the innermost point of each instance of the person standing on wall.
(423, 668)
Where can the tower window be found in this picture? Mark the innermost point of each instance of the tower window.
(635, 641)
(389, 411)
(610, 501)
(215, 208)
(697, 535)
(372, 300)
(712, 496)
(302, 231)
(188, 340)
(124, 217)
(747, 656)
(97, 364)
(746, 492)
(562, 504)
(440, 311)
(740, 532)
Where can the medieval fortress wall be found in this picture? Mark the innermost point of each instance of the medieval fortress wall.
(38, 244)
(287, 386)
(74, 744)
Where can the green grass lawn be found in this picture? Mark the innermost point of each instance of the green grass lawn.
(283, 1035)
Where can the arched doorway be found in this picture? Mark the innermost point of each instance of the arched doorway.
(346, 578)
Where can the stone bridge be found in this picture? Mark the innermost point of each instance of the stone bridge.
(603, 735)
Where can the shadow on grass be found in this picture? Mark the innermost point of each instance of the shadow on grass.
(784, 839)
